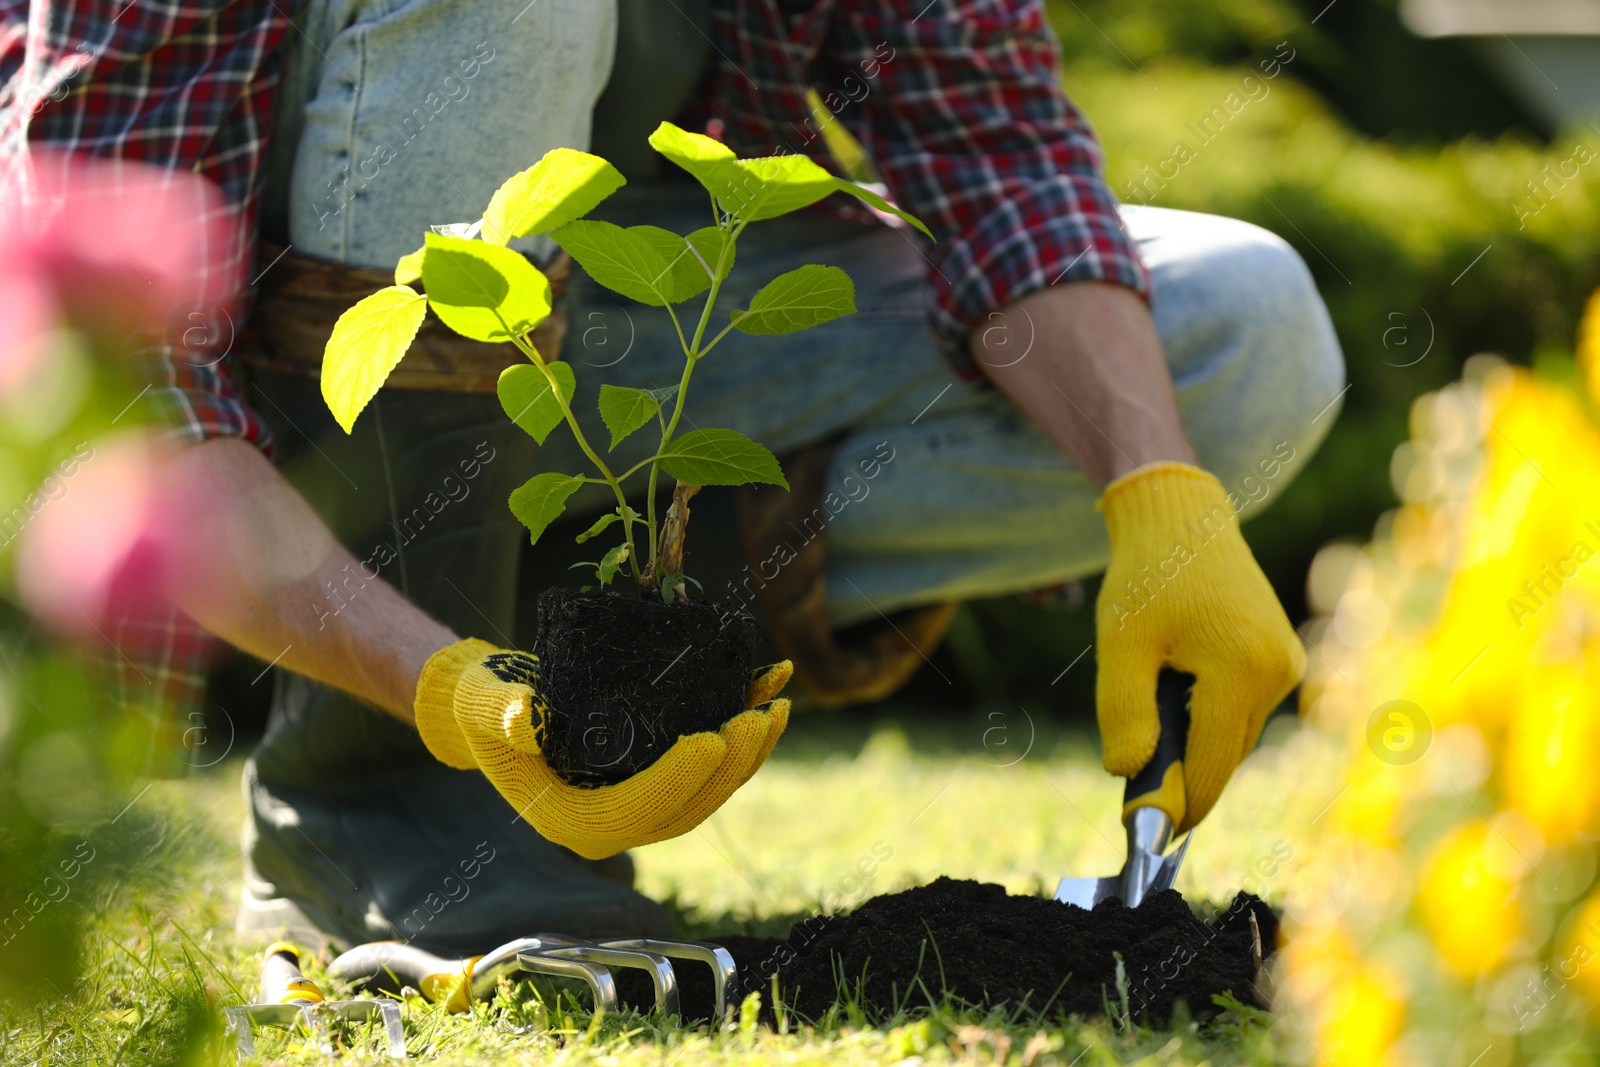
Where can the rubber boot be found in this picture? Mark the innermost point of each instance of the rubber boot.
(355, 832)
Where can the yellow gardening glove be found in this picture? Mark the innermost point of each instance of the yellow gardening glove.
(1182, 590)
(494, 721)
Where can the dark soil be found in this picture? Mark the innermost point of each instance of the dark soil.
(990, 948)
(626, 675)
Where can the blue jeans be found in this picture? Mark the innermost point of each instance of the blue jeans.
(943, 491)
(395, 115)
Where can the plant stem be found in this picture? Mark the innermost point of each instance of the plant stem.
(711, 298)
(676, 527)
(583, 443)
(718, 337)
(691, 355)
(637, 467)
(649, 580)
(676, 326)
(666, 435)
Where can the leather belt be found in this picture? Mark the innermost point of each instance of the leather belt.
(301, 297)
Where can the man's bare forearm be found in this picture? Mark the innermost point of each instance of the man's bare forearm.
(1094, 380)
(255, 571)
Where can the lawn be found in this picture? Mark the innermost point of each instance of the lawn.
(1004, 798)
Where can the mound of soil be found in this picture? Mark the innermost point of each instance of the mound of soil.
(626, 675)
(986, 947)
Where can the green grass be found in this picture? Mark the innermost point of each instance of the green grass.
(161, 960)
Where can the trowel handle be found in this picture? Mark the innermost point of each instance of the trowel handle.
(281, 980)
(1150, 788)
(388, 966)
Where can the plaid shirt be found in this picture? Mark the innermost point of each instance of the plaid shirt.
(958, 103)
(183, 84)
(959, 106)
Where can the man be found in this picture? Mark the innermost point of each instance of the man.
(1060, 325)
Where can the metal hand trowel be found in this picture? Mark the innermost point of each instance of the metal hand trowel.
(1148, 869)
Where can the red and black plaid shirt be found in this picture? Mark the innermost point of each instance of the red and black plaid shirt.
(958, 103)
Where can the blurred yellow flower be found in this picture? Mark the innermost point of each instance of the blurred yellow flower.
(1475, 609)
(1370, 809)
(1359, 1007)
(1365, 1013)
(1554, 734)
(1468, 902)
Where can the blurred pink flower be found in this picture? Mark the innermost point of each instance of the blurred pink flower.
(117, 249)
(106, 547)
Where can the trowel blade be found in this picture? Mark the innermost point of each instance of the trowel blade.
(1166, 875)
(1087, 892)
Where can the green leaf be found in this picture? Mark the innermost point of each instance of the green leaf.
(541, 499)
(749, 188)
(562, 186)
(624, 261)
(765, 188)
(611, 562)
(863, 193)
(708, 242)
(720, 457)
(367, 342)
(798, 299)
(473, 286)
(694, 152)
(600, 525)
(409, 269)
(685, 276)
(465, 273)
(526, 396)
(625, 410)
(690, 269)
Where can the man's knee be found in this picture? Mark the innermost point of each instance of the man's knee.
(1301, 315)
(1265, 368)
(1310, 376)
(1276, 299)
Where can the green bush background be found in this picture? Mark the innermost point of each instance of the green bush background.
(1389, 163)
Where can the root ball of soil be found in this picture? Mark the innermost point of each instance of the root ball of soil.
(625, 675)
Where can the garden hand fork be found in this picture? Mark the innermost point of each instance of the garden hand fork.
(393, 964)
(1149, 828)
(288, 998)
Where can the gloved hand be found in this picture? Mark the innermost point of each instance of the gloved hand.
(480, 707)
(1182, 590)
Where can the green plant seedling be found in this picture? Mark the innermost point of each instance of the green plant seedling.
(482, 289)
